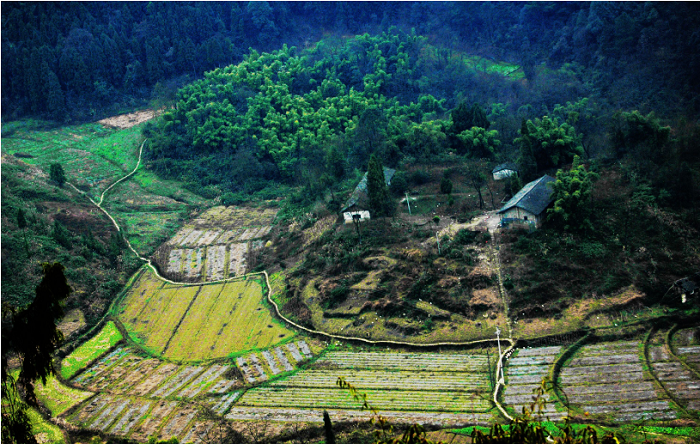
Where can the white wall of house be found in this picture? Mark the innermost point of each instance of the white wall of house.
(347, 216)
(519, 213)
(498, 175)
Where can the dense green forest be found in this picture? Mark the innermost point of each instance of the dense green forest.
(76, 60)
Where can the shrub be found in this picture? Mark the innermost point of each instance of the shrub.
(399, 184)
(419, 177)
(464, 237)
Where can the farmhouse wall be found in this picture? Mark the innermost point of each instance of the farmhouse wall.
(524, 215)
(347, 216)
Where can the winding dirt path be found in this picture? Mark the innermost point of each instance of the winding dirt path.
(148, 263)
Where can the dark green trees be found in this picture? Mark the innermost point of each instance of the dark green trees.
(380, 203)
(571, 194)
(546, 144)
(57, 175)
(31, 334)
(465, 118)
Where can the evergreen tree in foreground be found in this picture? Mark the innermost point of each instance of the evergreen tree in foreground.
(377, 191)
(32, 336)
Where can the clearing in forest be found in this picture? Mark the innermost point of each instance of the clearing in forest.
(195, 322)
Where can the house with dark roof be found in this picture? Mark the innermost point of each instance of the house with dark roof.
(504, 170)
(529, 204)
(357, 204)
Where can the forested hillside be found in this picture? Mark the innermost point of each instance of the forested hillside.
(75, 60)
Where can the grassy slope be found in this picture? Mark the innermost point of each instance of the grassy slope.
(93, 157)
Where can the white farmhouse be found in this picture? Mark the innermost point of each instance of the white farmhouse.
(504, 170)
(358, 203)
(529, 204)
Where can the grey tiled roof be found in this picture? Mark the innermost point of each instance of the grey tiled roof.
(359, 195)
(534, 197)
(505, 166)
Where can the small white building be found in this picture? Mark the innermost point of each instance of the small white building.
(358, 203)
(504, 170)
(529, 204)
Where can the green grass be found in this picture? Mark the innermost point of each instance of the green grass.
(551, 427)
(42, 428)
(57, 397)
(148, 230)
(90, 350)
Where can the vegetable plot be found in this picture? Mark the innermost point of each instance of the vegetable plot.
(682, 383)
(608, 379)
(524, 374)
(216, 244)
(428, 382)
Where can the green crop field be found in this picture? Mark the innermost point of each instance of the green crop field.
(58, 397)
(196, 322)
(82, 356)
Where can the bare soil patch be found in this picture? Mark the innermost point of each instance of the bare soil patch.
(124, 121)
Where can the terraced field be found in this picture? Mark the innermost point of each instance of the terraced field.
(128, 394)
(675, 370)
(199, 321)
(446, 388)
(608, 380)
(524, 373)
(216, 245)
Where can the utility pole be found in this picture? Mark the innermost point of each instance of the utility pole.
(408, 203)
(356, 220)
(498, 338)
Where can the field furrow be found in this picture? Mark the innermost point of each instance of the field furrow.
(153, 380)
(177, 381)
(283, 359)
(607, 379)
(180, 236)
(524, 373)
(175, 261)
(380, 399)
(225, 402)
(91, 408)
(239, 413)
(153, 421)
(237, 259)
(389, 380)
(198, 432)
(192, 332)
(99, 367)
(208, 237)
(135, 376)
(132, 415)
(271, 362)
(216, 261)
(406, 361)
(177, 424)
(191, 238)
(202, 381)
(109, 414)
